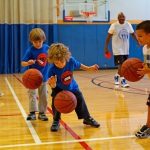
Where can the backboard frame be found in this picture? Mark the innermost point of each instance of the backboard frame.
(75, 14)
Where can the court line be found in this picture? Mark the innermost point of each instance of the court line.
(70, 141)
(32, 130)
(126, 90)
(74, 135)
(8, 115)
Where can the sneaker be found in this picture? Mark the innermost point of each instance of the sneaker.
(31, 116)
(1, 94)
(124, 83)
(90, 121)
(144, 132)
(42, 117)
(116, 79)
(55, 126)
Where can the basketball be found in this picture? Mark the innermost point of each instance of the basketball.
(65, 102)
(32, 78)
(129, 69)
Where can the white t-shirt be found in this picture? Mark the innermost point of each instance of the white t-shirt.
(120, 38)
(146, 53)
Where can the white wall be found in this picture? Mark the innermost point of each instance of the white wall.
(44, 11)
(133, 9)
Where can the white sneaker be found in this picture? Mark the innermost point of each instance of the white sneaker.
(124, 83)
(1, 94)
(116, 79)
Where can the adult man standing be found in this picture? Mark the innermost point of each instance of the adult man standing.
(120, 32)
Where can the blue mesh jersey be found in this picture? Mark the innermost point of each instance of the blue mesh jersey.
(65, 79)
(40, 55)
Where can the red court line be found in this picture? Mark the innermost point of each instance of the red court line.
(74, 135)
(84, 144)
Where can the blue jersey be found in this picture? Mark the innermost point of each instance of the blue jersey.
(65, 79)
(40, 55)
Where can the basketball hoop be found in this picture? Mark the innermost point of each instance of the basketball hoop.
(88, 15)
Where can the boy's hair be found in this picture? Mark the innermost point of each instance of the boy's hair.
(37, 34)
(144, 25)
(58, 52)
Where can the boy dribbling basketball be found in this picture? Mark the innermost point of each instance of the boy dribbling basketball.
(36, 57)
(143, 36)
(61, 78)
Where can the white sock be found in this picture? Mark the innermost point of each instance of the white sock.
(121, 78)
(117, 74)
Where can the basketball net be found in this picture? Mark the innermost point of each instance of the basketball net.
(88, 16)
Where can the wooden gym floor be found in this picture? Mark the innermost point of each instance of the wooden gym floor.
(121, 112)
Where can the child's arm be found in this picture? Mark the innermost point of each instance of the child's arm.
(52, 81)
(89, 68)
(28, 63)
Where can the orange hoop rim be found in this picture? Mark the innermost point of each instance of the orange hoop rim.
(88, 13)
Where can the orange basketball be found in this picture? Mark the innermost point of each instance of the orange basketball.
(32, 78)
(65, 102)
(129, 69)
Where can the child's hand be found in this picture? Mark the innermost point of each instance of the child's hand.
(144, 70)
(52, 81)
(94, 68)
(31, 62)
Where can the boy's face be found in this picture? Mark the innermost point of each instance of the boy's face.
(37, 44)
(143, 38)
(60, 64)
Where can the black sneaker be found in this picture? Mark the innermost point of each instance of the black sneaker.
(144, 132)
(42, 117)
(31, 116)
(90, 121)
(55, 126)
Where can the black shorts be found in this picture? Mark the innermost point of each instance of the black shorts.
(119, 59)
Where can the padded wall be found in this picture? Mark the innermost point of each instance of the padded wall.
(86, 42)
(13, 43)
